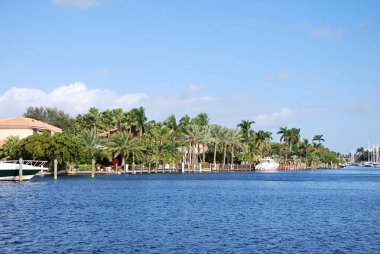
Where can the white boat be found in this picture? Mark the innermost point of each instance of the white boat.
(267, 164)
(9, 170)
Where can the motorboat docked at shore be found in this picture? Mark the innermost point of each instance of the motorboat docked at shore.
(267, 164)
(9, 170)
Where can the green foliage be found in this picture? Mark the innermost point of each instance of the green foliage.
(51, 116)
(246, 129)
(84, 167)
(7, 150)
(201, 119)
(34, 147)
(91, 142)
(63, 147)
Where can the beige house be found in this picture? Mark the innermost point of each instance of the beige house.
(23, 127)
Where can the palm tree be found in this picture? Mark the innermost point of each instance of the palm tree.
(201, 119)
(216, 133)
(294, 137)
(121, 143)
(192, 135)
(305, 149)
(225, 140)
(262, 139)
(10, 144)
(245, 128)
(205, 138)
(94, 115)
(171, 122)
(285, 136)
(92, 142)
(138, 118)
(107, 119)
(235, 142)
(184, 122)
(160, 136)
(318, 138)
(118, 118)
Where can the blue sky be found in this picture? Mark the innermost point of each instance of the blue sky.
(308, 64)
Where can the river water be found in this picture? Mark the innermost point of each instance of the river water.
(324, 211)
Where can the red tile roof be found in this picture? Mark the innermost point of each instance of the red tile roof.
(17, 122)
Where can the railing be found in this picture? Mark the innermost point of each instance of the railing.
(33, 163)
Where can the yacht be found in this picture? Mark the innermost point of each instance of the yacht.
(9, 170)
(267, 164)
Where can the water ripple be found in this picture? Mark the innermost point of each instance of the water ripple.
(331, 211)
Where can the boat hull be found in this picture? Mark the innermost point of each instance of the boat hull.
(13, 174)
(267, 164)
(267, 167)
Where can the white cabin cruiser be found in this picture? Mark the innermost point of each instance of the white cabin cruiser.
(9, 170)
(267, 164)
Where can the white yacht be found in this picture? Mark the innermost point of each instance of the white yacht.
(267, 164)
(9, 170)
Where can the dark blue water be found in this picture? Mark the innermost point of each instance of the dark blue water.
(326, 211)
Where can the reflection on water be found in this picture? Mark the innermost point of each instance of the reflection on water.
(325, 211)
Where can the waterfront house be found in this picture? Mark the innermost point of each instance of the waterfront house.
(23, 127)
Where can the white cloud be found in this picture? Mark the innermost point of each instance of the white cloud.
(275, 119)
(81, 4)
(77, 98)
(326, 32)
(280, 77)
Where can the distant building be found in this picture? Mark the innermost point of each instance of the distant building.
(23, 127)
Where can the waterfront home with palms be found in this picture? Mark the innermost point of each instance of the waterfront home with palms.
(23, 127)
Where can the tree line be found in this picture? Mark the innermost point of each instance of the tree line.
(129, 135)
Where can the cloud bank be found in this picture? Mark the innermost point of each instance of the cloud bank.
(77, 98)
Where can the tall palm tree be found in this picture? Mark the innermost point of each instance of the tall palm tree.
(318, 138)
(285, 137)
(118, 118)
(184, 122)
(305, 150)
(205, 139)
(201, 119)
(262, 139)
(246, 128)
(107, 119)
(294, 137)
(138, 118)
(91, 141)
(192, 135)
(235, 142)
(284, 134)
(225, 138)
(171, 122)
(94, 115)
(166, 148)
(216, 133)
(121, 143)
